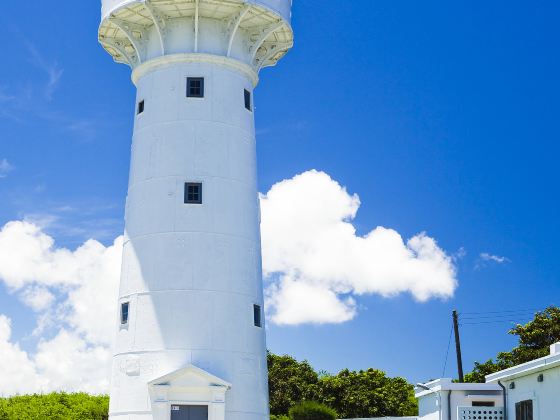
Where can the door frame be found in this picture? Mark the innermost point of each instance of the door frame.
(189, 404)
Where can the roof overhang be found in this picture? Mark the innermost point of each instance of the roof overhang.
(447, 384)
(529, 368)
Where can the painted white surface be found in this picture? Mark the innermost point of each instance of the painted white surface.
(191, 273)
(432, 405)
(188, 384)
(256, 33)
(282, 7)
(489, 413)
(545, 395)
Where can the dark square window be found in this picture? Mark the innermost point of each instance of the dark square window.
(140, 107)
(257, 315)
(483, 404)
(195, 87)
(189, 412)
(524, 410)
(193, 193)
(248, 104)
(124, 312)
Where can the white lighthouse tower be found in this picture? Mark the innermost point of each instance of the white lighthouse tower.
(190, 341)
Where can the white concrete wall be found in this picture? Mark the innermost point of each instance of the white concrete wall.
(191, 272)
(545, 395)
(429, 405)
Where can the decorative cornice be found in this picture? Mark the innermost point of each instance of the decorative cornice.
(166, 60)
(134, 31)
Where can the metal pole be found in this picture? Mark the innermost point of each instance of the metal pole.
(458, 346)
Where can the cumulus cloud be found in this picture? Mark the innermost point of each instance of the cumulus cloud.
(71, 291)
(316, 264)
(18, 373)
(67, 362)
(37, 298)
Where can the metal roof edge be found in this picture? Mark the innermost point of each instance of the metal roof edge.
(544, 363)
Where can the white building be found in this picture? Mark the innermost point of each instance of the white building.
(190, 338)
(533, 388)
(530, 391)
(444, 399)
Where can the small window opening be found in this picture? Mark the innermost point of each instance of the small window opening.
(483, 404)
(524, 410)
(195, 87)
(193, 193)
(140, 106)
(257, 315)
(248, 104)
(124, 313)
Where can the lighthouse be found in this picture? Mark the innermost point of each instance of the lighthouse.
(190, 339)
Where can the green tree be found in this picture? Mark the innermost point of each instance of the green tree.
(350, 394)
(311, 410)
(367, 393)
(534, 340)
(289, 382)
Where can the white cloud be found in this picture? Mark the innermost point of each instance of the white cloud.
(68, 362)
(485, 258)
(18, 373)
(316, 263)
(37, 298)
(74, 293)
(65, 363)
(50, 68)
(5, 168)
(493, 258)
(299, 302)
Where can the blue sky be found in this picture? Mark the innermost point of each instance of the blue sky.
(441, 116)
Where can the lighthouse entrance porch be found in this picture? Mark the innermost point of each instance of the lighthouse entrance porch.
(188, 393)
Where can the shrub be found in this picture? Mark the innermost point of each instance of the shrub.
(310, 410)
(281, 417)
(55, 406)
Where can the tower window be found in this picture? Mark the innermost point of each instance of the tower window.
(124, 312)
(257, 315)
(193, 193)
(248, 104)
(195, 87)
(141, 106)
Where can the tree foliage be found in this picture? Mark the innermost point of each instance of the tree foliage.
(311, 410)
(368, 393)
(351, 394)
(534, 338)
(289, 382)
(55, 406)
